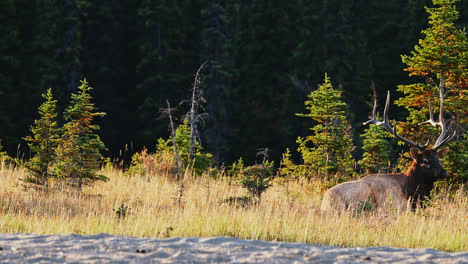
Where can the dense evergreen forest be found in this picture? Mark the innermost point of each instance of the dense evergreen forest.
(263, 59)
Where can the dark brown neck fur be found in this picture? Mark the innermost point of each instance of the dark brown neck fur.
(416, 184)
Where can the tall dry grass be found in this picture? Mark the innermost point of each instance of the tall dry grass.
(149, 207)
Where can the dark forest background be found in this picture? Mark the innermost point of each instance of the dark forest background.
(264, 58)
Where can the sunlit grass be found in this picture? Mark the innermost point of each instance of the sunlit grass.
(151, 206)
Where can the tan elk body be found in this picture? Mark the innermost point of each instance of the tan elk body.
(394, 190)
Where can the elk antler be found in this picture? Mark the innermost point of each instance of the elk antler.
(386, 124)
(442, 139)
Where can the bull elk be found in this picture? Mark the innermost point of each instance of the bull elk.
(395, 189)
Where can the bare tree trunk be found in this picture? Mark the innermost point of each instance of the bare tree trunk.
(194, 102)
(173, 135)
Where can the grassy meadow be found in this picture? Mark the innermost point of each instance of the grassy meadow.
(154, 206)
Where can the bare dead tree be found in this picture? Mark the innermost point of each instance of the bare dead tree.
(193, 117)
(264, 153)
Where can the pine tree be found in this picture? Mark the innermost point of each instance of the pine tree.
(43, 143)
(78, 152)
(377, 150)
(440, 59)
(332, 138)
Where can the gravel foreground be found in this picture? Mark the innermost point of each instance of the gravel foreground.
(105, 248)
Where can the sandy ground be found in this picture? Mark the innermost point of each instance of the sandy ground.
(104, 248)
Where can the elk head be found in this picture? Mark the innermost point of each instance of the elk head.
(428, 163)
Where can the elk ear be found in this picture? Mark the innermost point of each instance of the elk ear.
(443, 152)
(415, 154)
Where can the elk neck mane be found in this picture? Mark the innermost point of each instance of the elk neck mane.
(414, 183)
(412, 170)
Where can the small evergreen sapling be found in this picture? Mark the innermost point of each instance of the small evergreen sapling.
(331, 140)
(78, 152)
(236, 168)
(377, 150)
(257, 178)
(43, 143)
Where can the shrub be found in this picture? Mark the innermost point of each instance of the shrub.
(257, 178)
(456, 162)
(122, 211)
(291, 170)
(136, 165)
(364, 207)
(242, 201)
(201, 161)
(159, 163)
(236, 168)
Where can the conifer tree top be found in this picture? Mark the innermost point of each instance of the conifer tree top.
(81, 104)
(443, 44)
(325, 103)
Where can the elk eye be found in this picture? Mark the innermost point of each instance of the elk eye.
(426, 163)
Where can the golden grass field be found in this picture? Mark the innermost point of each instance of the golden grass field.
(153, 208)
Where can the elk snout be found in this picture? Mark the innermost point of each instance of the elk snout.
(443, 174)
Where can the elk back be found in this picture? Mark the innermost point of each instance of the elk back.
(384, 191)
